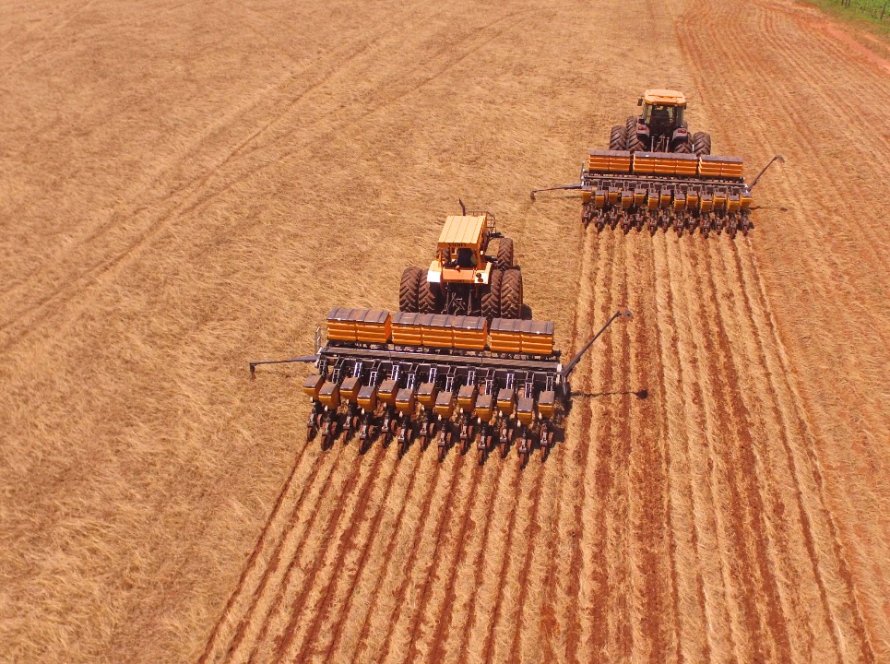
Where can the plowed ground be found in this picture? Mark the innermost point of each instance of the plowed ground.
(187, 186)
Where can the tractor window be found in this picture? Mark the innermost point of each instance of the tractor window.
(465, 258)
(663, 114)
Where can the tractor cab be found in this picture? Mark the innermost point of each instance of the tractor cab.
(460, 250)
(663, 110)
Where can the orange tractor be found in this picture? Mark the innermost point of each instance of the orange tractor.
(655, 175)
(473, 273)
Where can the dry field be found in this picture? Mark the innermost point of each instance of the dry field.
(186, 186)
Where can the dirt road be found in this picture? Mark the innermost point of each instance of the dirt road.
(187, 186)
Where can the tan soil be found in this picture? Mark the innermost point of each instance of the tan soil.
(187, 186)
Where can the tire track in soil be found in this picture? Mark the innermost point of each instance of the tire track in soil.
(307, 487)
(446, 559)
(286, 553)
(389, 651)
(711, 588)
(320, 610)
(439, 638)
(534, 627)
(481, 523)
(555, 595)
(624, 490)
(576, 588)
(392, 562)
(821, 239)
(253, 559)
(337, 630)
(479, 577)
(562, 584)
(488, 646)
(654, 579)
(687, 619)
(800, 612)
(594, 582)
(438, 487)
(797, 419)
(745, 468)
(521, 624)
(353, 490)
(729, 501)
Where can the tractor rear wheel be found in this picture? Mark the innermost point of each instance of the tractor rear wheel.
(630, 125)
(505, 253)
(491, 298)
(408, 289)
(429, 299)
(634, 144)
(683, 147)
(511, 294)
(701, 143)
(618, 138)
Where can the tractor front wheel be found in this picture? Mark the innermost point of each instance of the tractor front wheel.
(408, 289)
(505, 254)
(701, 143)
(511, 294)
(491, 298)
(429, 300)
(618, 138)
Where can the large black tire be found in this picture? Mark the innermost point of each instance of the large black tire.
(505, 253)
(682, 147)
(618, 138)
(630, 125)
(634, 144)
(701, 143)
(429, 297)
(511, 294)
(408, 288)
(491, 298)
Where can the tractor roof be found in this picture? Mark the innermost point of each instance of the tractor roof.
(664, 97)
(462, 231)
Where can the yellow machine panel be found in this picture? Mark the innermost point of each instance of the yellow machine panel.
(329, 394)
(405, 400)
(341, 324)
(426, 394)
(711, 166)
(665, 97)
(664, 163)
(444, 404)
(466, 396)
(406, 328)
(367, 397)
(462, 231)
(349, 389)
(506, 400)
(312, 384)
(537, 337)
(373, 326)
(469, 332)
(484, 407)
(609, 161)
(525, 410)
(387, 391)
(436, 331)
(547, 403)
(506, 335)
